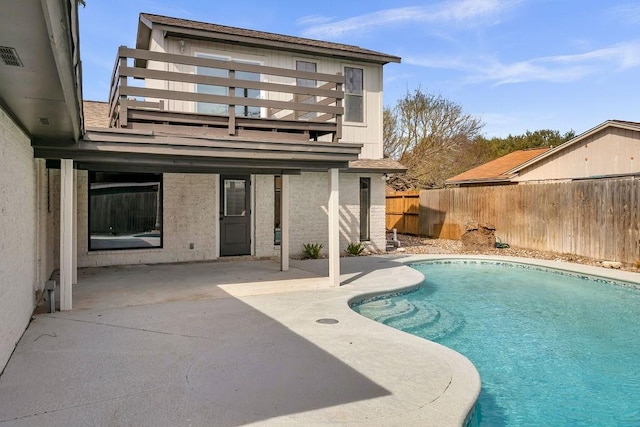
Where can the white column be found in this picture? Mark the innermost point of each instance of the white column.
(284, 223)
(74, 245)
(334, 228)
(66, 232)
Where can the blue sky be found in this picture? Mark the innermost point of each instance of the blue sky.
(517, 64)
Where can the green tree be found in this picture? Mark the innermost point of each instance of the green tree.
(536, 139)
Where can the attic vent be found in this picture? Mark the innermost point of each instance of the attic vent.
(10, 56)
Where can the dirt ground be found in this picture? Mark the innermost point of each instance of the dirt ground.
(421, 245)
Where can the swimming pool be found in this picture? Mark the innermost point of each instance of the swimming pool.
(552, 348)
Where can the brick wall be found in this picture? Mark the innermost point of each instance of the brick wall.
(308, 211)
(23, 230)
(189, 206)
(190, 202)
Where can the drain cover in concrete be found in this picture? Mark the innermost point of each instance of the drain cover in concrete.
(327, 321)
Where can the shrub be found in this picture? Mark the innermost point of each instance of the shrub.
(312, 250)
(355, 249)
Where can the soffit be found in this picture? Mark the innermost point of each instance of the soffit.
(33, 94)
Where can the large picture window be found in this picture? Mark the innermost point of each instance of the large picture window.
(125, 210)
(365, 208)
(354, 95)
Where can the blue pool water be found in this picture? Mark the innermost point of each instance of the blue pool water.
(552, 349)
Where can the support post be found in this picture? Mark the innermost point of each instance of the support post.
(334, 228)
(284, 223)
(66, 233)
(74, 244)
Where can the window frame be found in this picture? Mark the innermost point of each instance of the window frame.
(90, 180)
(307, 83)
(365, 237)
(277, 214)
(361, 96)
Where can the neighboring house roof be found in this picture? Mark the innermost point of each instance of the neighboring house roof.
(633, 126)
(96, 114)
(497, 170)
(376, 165)
(205, 31)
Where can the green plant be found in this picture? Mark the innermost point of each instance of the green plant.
(312, 250)
(355, 249)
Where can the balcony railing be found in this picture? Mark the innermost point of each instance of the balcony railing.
(152, 89)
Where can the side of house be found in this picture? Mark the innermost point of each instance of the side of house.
(610, 149)
(189, 208)
(26, 232)
(39, 100)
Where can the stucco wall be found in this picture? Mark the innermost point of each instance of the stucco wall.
(23, 230)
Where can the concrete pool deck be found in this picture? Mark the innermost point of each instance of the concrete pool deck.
(242, 355)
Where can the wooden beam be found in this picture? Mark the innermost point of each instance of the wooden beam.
(225, 100)
(226, 65)
(143, 73)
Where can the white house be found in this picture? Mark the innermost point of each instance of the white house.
(215, 141)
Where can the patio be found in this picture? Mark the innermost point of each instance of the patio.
(214, 350)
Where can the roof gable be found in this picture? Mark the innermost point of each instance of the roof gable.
(633, 126)
(206, 31)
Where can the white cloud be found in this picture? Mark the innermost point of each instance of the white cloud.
(629, 13)
(559, 68)
(446, 12)
(313, 20)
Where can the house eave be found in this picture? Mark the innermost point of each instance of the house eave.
(163, 153)
(257, 39)
(504, 180)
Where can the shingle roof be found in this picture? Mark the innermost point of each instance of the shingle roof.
(222, 32)
(376, 165)
(96, 114)
(495, 170)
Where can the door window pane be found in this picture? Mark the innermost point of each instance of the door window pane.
(242, 92)
(234, 197)
(307, 99)
(206, 107)
(125, 210)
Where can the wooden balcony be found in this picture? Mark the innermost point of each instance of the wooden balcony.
(197, 96)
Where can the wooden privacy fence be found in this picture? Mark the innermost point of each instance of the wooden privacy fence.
(597, 218)
(402, 211)
(124, 212)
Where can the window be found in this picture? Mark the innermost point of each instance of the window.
(223, 109)
(353, 97)
(307, 99)
(125, 210)
(235, 201)
(365, 208)
(277, 230)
